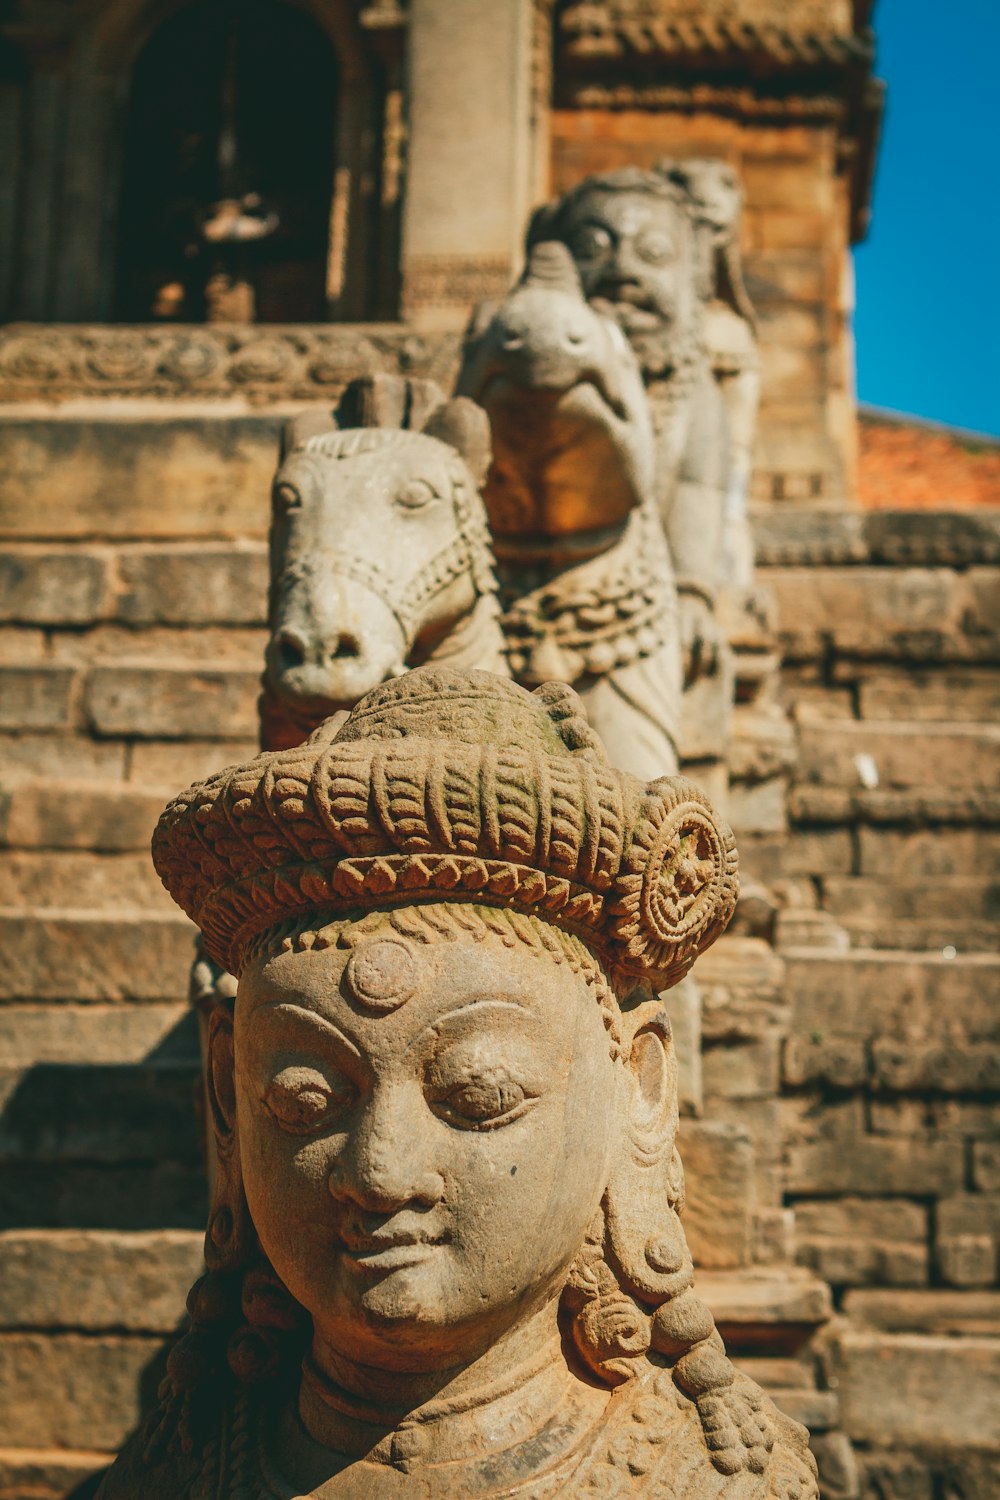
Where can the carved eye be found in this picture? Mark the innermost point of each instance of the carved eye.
(654, 247)
(590, 242)
(285, 497)
(483, 1103)
(415, 495)
(301, 1099)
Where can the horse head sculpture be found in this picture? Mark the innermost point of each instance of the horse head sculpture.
(380, 551)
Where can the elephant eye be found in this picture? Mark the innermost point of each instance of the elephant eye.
(285, 497)
(415, 495)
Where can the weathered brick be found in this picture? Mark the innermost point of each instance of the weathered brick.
(194, 584)
(136, 477)
(843, 754)
(744, 1070)
(164, 702)
(986, 1166)
(32, 1034)
(50, 586)
(840, 1062)
(932, 1311)
(718, 1161)
(97, 1280)
(938, 853)
(758, 807)
(967, 1260)
(945, 538)
(36, 697)
(864, 610)
(683, 1005)
(74, 1390)
(740, 979)
(934, 1067)
(69, 757)
(920, 694)
(100, 1112)
(181, 647)
(749, 1301)
(916, 996)
(177, 763)
(917, 1390)
(960, 911)
(87, 881)
(54, 955)
(875, 1165)
(80, 815)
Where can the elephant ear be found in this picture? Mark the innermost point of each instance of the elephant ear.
(464, 425)
(386, 400)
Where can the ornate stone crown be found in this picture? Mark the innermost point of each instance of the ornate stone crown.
(448, 785)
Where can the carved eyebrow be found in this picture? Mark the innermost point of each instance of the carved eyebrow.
(283, 1010)
(476, 1007)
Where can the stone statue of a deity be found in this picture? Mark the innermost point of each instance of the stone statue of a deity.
(444, 1252)
(645, 252)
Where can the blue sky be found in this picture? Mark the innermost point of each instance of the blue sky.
(928, 276)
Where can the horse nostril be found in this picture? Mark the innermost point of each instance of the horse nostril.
(347, 646)
(291, 649)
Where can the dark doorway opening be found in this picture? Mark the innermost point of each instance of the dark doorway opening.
(230, 166)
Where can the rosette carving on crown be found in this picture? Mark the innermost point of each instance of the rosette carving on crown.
(678, 881)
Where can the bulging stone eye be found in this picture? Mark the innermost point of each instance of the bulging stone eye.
(415, 495)
(481, 1103)
(590, 242)
(285, 497)
(301, 1099)
(655, 248)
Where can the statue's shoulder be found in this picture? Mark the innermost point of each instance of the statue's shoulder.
(734, 1445)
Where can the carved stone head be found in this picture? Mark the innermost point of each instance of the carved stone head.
(445, 1104)
(643, 256)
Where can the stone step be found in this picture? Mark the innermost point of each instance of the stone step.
(762, 1308)
(49, 813)
(880, 754)
(95, 882)
(97, 1281)
(136, 1195)
(33, 1035)
(130, 477)
(78, 956)
(100, 1113)
(48, 1473)
(72, 1390)
(958, 910)
(933, 1311)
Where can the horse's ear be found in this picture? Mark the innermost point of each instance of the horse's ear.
(299, 429)
(465, 425)
(386, 400)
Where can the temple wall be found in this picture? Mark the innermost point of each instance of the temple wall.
(842, 1100)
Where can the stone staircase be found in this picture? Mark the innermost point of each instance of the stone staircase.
(843, 1094)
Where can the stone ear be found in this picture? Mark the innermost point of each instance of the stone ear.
(386, 400)
(230, 1228)
(464, 425)
(299, 429)
(648, 1248)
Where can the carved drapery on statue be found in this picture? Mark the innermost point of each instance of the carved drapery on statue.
(448, 912)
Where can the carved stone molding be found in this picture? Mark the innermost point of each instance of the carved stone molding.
(257, 363)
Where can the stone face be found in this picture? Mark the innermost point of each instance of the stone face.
(372, 1040)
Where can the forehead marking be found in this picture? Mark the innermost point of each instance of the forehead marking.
(383, 974)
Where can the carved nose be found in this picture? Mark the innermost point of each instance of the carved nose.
(295, 648)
